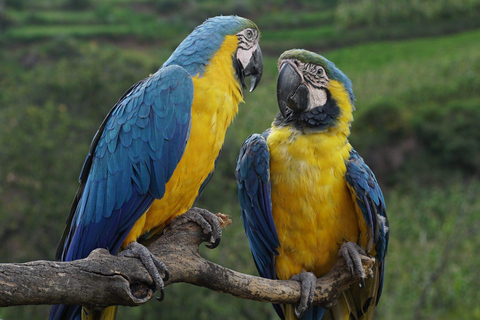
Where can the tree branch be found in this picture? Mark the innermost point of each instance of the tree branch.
(101, 279)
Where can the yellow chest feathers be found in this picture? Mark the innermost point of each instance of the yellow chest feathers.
(216, 97)
(312, 207)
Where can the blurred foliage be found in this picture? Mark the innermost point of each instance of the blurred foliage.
(77, 4)
(377, 13)
(451, 133)
(418, 109)
(322, 24)
(431, 264)
(53, 99)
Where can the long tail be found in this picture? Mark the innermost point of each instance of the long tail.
(64, 312)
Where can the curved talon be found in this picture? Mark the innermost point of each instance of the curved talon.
(362, 282)
(213, 245)
(167, 276)
(209, 236)
(153, 266)
(298, 313)
(162, 296)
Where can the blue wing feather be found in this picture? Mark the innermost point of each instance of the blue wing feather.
(368, 195)
(254, 192)
(132, 157)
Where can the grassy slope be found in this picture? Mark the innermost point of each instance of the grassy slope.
(414, 71)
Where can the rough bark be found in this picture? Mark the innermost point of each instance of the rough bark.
(101, 279)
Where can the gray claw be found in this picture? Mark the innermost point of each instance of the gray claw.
(213, 245)
(162, 296)
(351, 252)
(205, 219)
(299, 313)
(167, 275)
(151, 263)
(308, 281)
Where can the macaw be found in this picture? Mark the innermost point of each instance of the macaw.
(157, 148)
(307, 197)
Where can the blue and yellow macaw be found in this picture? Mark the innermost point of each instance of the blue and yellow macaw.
(157, 148)
(307, 196)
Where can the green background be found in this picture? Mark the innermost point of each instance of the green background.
(415, 69)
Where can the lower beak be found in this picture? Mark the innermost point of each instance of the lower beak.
(255, 68)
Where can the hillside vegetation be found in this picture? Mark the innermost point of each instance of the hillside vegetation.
(415, 70)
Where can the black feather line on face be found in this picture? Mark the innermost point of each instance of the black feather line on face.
(243, 44)
(317, 119)
(237, 66)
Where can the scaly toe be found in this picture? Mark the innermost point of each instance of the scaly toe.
(308, 282)
(151, 263)
(352, 254)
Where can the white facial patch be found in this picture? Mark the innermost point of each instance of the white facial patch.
(244, 55)
(247, 44)
(318, 97)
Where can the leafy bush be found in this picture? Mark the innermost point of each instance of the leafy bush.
(451, 133)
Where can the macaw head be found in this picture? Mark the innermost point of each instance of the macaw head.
(196, 51)
(313, 94)
(249, 59)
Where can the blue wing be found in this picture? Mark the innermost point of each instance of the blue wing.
(366, 192)
(132, 157)
(254, 191)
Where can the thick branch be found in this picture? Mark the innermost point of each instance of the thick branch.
(102, 279)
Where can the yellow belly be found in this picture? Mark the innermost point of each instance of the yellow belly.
(215, 104)
(313, 210)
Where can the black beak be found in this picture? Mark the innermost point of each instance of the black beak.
(254, 68)
(291, 93)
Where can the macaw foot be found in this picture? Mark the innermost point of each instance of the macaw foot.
(205, 219)
(308, 282)
(351, 252)
(156, 268)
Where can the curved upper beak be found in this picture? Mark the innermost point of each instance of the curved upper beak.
(254, 68)
(291, 92)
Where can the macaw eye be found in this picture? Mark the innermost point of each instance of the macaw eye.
(319, 72)
(249, 34)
